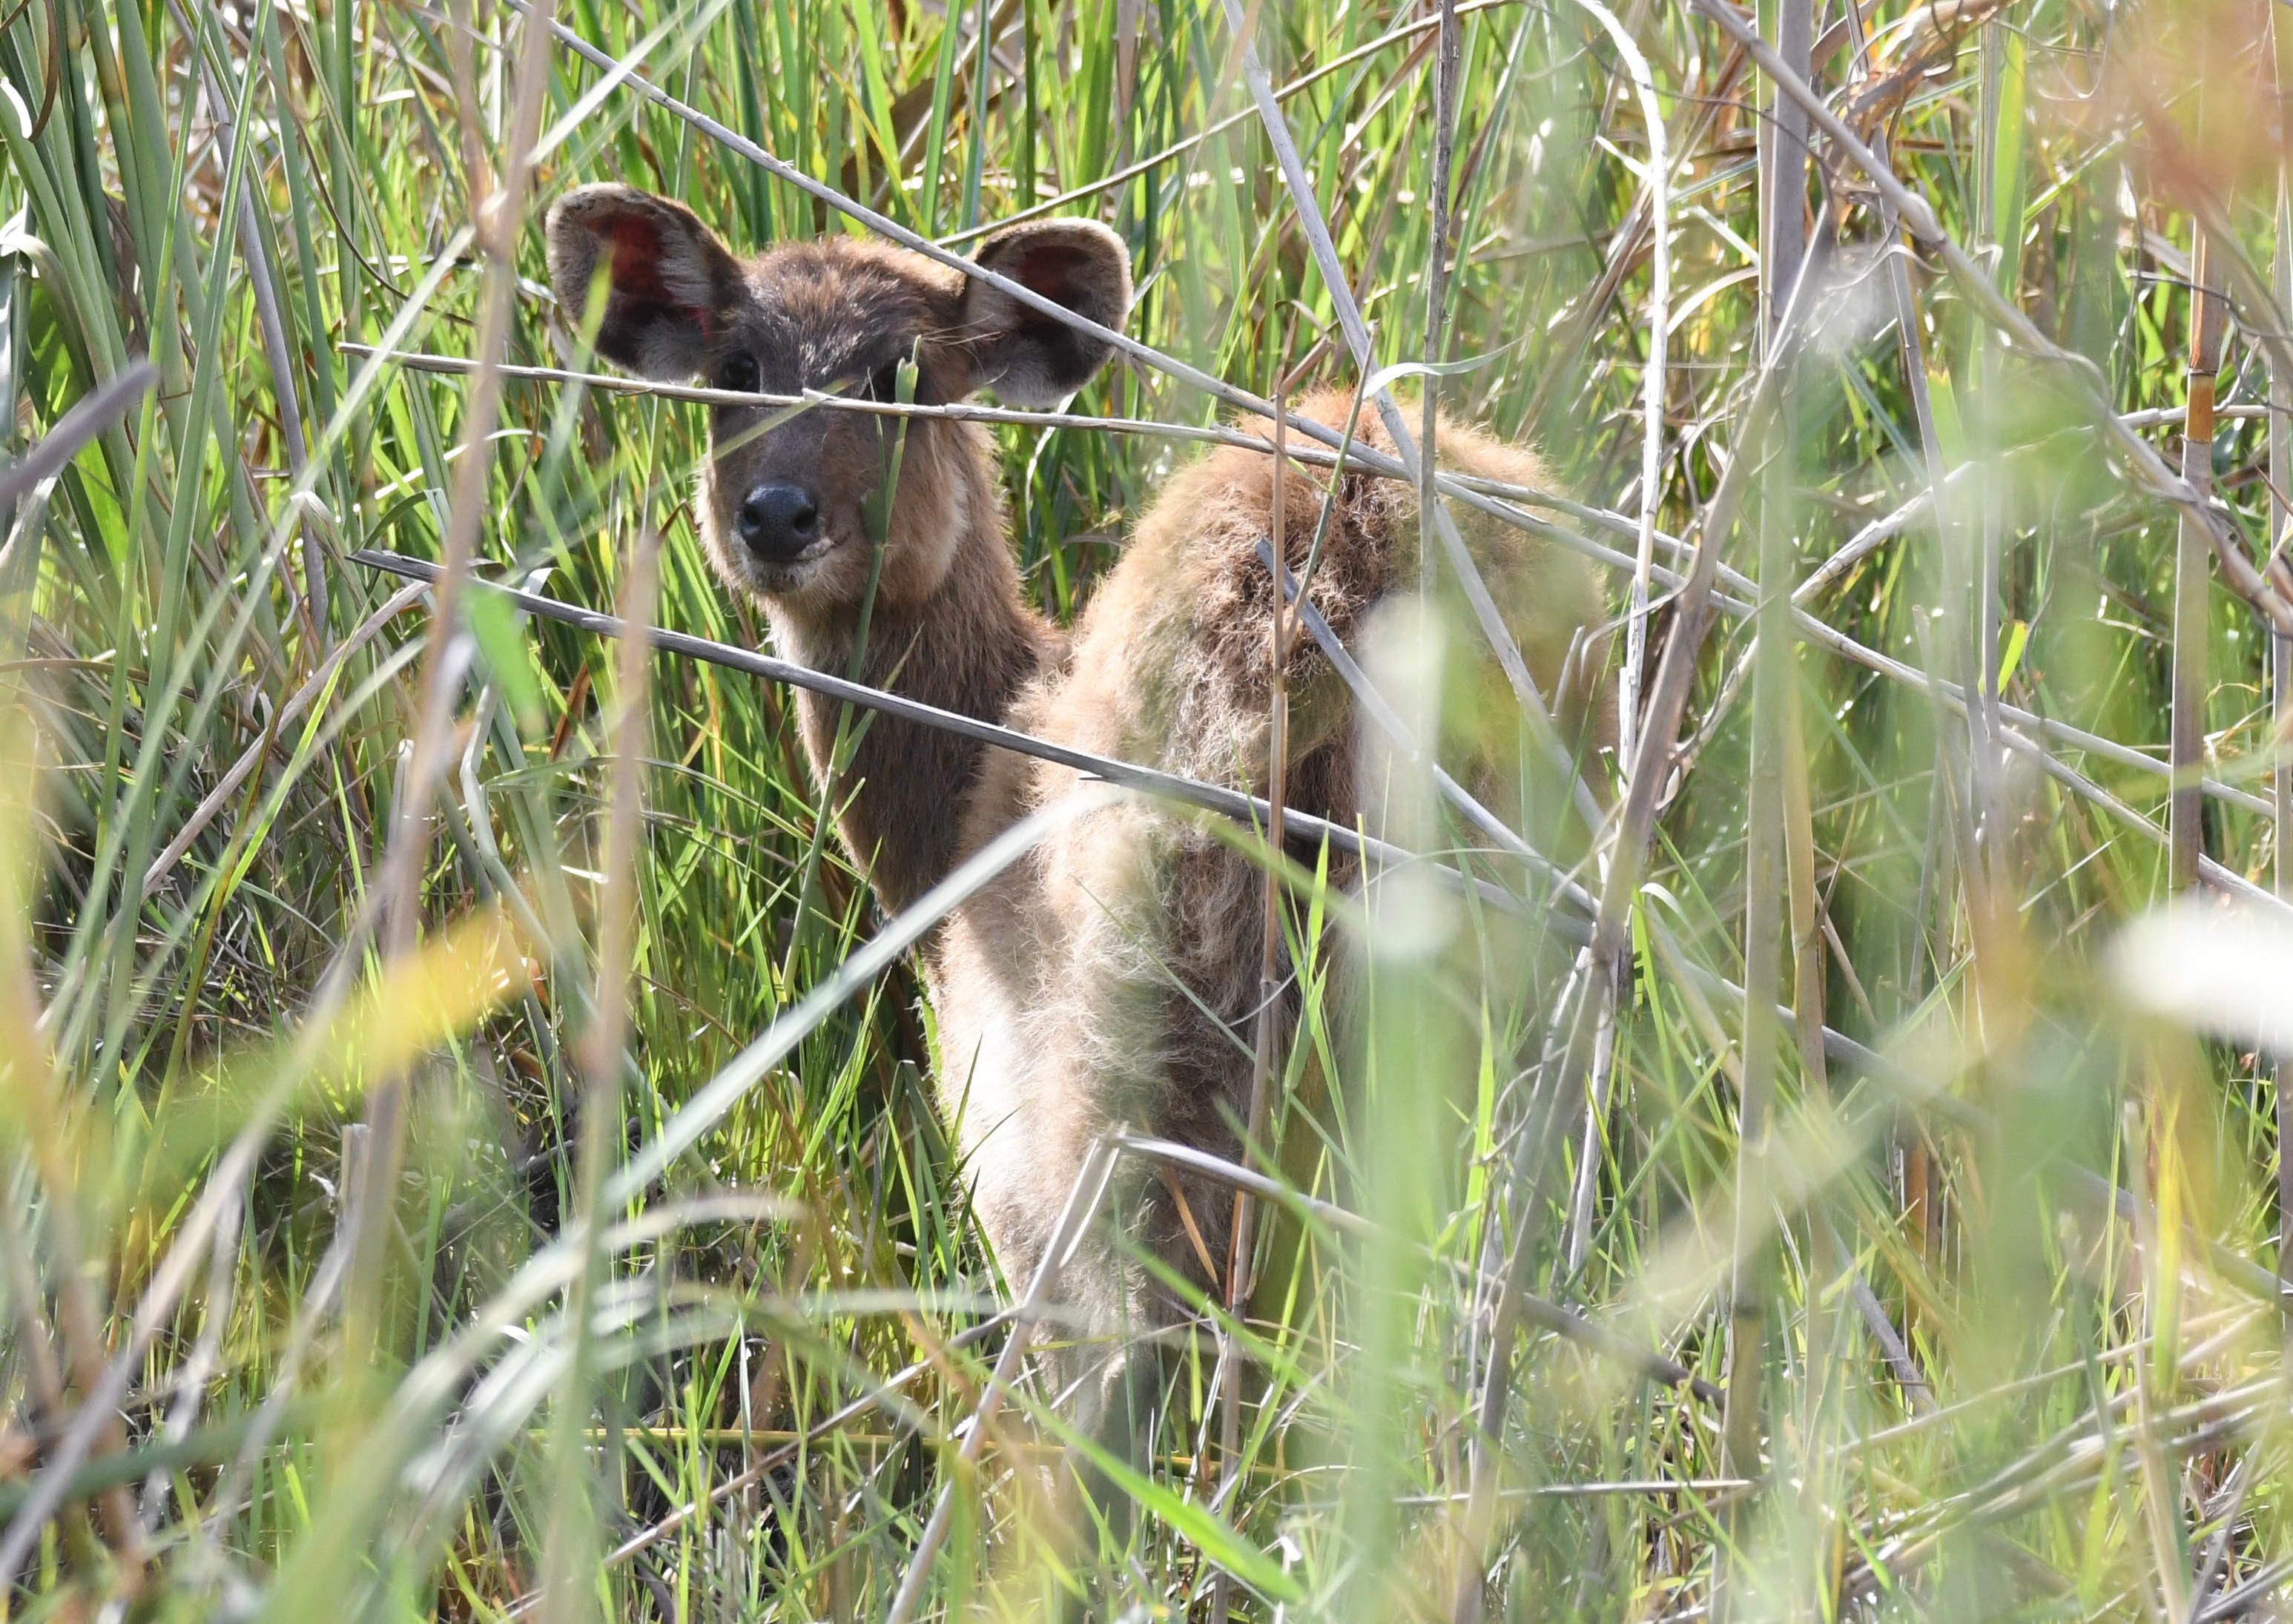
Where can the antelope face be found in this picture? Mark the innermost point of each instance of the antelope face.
(793, 503)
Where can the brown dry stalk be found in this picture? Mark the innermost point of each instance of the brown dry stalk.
(1500, 501)
(1928, 45)
(601, 1060)
(2084, 382)
(496, 215)
(2281, 646)
(1266, 1039)
(2192, 583)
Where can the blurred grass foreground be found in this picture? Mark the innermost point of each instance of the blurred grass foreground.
(465, 1159)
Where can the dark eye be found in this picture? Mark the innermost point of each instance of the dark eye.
(737, 372)
(884, 384)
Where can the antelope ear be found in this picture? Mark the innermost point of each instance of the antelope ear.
(667, 278)
(1026, 357)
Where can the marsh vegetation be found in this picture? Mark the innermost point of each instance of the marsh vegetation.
(468, 1139)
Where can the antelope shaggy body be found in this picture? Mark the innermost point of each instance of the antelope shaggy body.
(1112, 976)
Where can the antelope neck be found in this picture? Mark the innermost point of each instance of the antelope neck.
(969, 647)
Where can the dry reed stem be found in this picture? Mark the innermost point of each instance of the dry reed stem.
(1082, 1205)
(567, 1542)
(1266, 1039)
(2193, 589)
(2281, 646)
(1837, 1045)
(1498, 500)
(1228, 804)
(496, 215)
(1918, 217)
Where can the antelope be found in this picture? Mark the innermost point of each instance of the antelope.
(1110, 976)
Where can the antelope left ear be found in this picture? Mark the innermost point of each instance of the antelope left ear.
(1029, 359)
(668, 280)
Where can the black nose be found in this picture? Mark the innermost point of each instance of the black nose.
(779, 521)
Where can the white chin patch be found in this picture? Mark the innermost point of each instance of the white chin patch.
(793, 576)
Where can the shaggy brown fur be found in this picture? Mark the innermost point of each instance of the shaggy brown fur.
(1111, 977)
(1125, 960)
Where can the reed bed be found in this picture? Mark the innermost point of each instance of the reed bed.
(469, 1144)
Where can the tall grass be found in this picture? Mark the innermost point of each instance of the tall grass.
(463, 1158)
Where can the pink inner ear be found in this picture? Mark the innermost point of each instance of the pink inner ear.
(636, 258)
(1049, 269)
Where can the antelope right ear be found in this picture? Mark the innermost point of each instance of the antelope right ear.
(1026, 357)
(667, 278)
